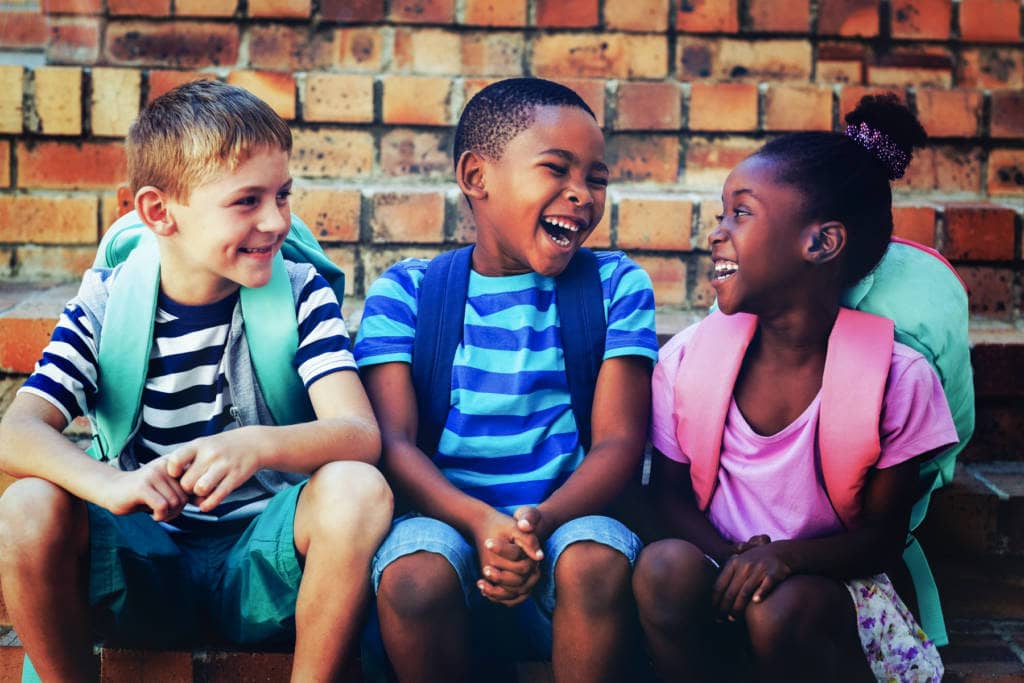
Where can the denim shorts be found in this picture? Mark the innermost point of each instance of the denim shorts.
(413, 533)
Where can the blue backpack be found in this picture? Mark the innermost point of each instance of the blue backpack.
(271, 329)
(440, 317)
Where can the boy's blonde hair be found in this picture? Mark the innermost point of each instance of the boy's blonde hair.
(187, 135)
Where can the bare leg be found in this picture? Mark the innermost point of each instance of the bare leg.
(806, 630)
(44, 551)
(672, 583)
(594, 615)
(424, 619)
(342, 516)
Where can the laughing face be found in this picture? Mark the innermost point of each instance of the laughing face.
(537, 204)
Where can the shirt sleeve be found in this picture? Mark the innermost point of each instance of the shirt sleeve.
(323, 339)
(663, 400)
(915, 414)
(630, 306)
(388, 327)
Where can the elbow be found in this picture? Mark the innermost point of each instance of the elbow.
(373, 443)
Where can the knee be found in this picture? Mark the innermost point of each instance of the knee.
(670, 576)
(422, 587)
(347, 496)
(773, 628)
(592, 577)
(37, 518)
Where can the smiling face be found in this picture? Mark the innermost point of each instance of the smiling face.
(759, 248)
(226, 234)
(537, 204)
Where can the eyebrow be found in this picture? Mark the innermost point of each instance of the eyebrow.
(569, 156)
(260, 188)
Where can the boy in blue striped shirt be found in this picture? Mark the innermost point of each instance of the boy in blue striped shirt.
(508, 508)
(208, 527)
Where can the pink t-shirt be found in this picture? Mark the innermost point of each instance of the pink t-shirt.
(772, 484)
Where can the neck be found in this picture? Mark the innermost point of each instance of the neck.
(796, 334)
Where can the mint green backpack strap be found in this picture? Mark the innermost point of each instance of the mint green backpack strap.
(28, 672)
(271, 331)
(124, 355)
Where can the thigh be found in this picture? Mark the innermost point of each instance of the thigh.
(140, 586)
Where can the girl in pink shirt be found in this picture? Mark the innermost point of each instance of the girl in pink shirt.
(769, 559)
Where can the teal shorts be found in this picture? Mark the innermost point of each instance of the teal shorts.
(155, 588)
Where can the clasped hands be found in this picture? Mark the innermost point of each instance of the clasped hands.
(510, 553)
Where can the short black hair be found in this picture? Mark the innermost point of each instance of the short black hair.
(842, 180)
(504, 109)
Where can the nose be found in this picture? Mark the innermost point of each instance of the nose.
(579, 194)
(717, 235)
(275, 218)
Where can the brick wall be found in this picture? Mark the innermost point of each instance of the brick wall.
(683, 88)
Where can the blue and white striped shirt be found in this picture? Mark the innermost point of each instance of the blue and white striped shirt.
(511, 438)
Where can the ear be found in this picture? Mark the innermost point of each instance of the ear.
(152, 204)
(823, 242)
(469, 174)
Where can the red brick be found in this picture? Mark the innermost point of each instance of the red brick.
(291, 48)
(24, 30)
(205, 8)
(74, 39)
(359, 49)
(414, 100)
(332, 153)
(58, 100)
(949, 113)
(48, 220)
(1006, 172)
(1007, 114)
(71, 166)
(382, 257)
(5, 163)
(601, 237)
(21, 343)
(338, 97)
(746, 60)
(916, 223)
(355, 11)
(144, 665)
(793, 16)
(423, 11)
(606, 55)
(979, 233)
(250, 666)
(723, 106)
(164, 80)
(901, 76)
(566, 13)
(703, 294)
(412, 153)
(990, 20)
(286, 9)
(637, 158)
(139, 8)
(944, 168)
(114, 103)
(990, 290)
(648, 106)
(708, 16)
(708, 162)
(72, 6)
(591, 90)
(654, 222)
(839, 71)
(637, 15)
(851, 95)
(276, 88)
(848, 18)
(922, 18)
(332, 214)
(991, 67)
(188, 44)
(792, 106)
(471, 86)
(668, 275)
(707, 220)
(428, 51)
(11, 90)
(408, 216)
(494, 13)
(48, 263)
(492, 54)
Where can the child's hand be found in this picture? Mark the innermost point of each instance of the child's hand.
(754, 542)
(509, 573)
(149, 488)
(748, 577)
(211, 467)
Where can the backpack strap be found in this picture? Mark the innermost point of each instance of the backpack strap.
(852, 389)
(933, 253)
(440, 318)
(703, 392)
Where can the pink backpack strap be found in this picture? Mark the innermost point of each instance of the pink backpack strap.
(853, 386)
(703, 392)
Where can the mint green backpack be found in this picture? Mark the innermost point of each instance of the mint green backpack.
(271, 329)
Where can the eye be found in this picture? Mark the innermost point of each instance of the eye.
(719, 217)
(557, 169)
(282, 196)
(250, 200)
(599, 181)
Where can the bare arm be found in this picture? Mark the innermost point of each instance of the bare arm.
(677, 504)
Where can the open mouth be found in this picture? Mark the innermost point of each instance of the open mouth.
(562, 231)
(724, 270)
(256, 250)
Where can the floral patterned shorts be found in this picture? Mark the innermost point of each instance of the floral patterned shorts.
(896, 647)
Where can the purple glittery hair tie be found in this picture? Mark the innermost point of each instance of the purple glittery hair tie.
(881, 145)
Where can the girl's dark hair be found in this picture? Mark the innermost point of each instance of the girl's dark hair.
(842, 180)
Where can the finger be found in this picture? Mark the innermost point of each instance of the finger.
(767, 585)
(168, 488)
(527, 518)
(523, 566)
(503, 548)
(743, 595)
(530, 545)
(207, 483)
(159, 507)
(178, 461)
(507, 579)
(500, 594)
(224, 488)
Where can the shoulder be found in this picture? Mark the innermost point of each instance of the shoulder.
(615, 265)
(908, 364)
(671, 353)
(404, 276)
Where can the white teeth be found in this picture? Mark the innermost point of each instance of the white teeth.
(564, 225)
(724, 269)
(559, 240)
(254, 250)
